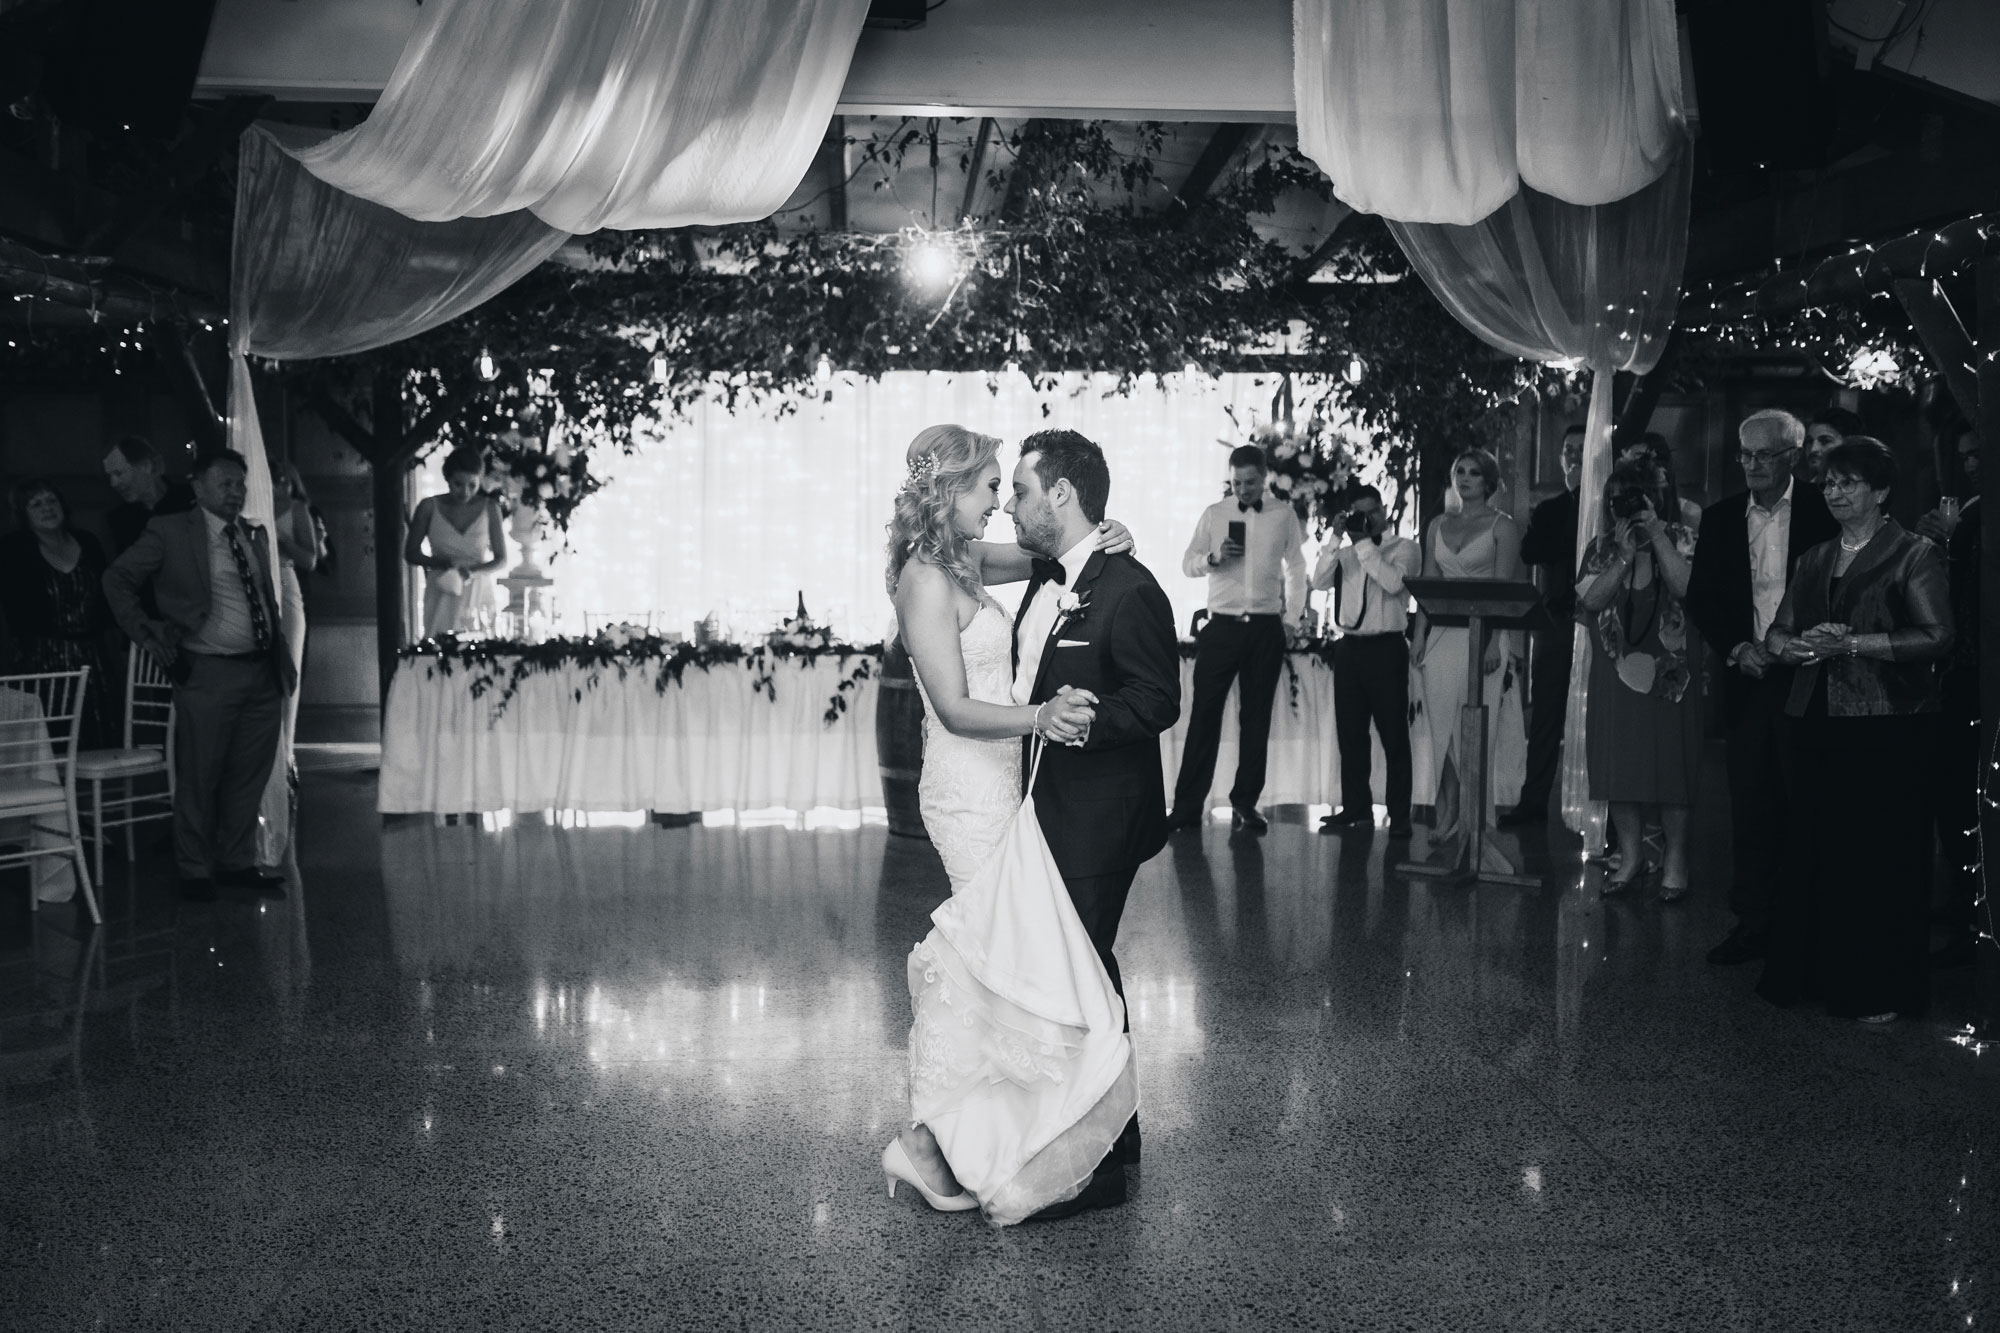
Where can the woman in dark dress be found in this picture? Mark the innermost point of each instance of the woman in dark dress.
(52, 593)
(1643, 741)
(1865, 620)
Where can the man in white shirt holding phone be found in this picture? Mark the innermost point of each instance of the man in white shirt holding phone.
(1250, 550)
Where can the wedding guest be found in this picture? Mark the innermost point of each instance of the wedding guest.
(1644, 704)
(1824, 429)
(138, 476)
(1864, 621)
(1652, 449)
(52, 594)
(300, 547)
(217, 633)
(1748, 546)
(1955, 526)
(1371, 659)
(1550, 546)
(1477, 542)
(468, 544)
(1251, 552)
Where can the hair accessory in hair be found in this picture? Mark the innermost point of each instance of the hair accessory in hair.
(921, 471)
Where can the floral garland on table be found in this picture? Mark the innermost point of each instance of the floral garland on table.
(508, 663)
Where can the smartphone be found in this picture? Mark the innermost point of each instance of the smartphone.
(1236, 531)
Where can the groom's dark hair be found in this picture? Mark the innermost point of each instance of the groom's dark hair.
(1065, 454)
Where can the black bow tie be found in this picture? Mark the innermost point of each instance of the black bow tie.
(1244, 507)
(1049, 571)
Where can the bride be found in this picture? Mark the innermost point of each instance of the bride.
(1019, 1072)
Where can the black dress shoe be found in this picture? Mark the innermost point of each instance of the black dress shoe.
(250, 877)
(1106, 1190)
(1403, 830)
(1346, 819)
(1179, 820)
(1741, 946)
(197, 889)
(1522, 815)
(1247, 821)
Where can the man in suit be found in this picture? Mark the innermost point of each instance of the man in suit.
(1100, 623)
(1550, 546)
(216, 632)
(138, 476)
(1744, 557)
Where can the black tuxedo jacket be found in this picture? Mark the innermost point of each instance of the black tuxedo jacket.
(1718, 596)
(1102, 805)
(1550, 542)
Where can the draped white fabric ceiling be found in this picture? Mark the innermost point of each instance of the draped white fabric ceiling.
(1438, 110)
(614, 113)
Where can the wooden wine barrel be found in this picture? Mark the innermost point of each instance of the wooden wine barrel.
(899, 741)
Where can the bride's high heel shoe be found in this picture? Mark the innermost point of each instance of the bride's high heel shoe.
(896, 1165)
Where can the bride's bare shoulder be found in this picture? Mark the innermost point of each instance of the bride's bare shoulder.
(925, 590)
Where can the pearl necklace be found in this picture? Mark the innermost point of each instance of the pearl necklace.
(1862, 543)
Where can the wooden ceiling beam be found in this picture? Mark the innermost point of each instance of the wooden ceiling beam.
(1222, 145)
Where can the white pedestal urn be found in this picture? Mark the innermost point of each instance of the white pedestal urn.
(528, 584)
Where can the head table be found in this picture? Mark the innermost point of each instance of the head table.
(700, 731)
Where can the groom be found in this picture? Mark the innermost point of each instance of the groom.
(1098, 623)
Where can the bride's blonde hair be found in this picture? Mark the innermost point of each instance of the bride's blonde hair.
(945, 463)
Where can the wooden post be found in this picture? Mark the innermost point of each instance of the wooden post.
(1988, 628)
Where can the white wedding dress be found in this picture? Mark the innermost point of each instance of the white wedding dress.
(1019, 1063)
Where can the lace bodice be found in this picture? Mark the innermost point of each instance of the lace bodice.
(971, 788)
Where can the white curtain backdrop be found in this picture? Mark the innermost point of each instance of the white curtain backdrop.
(738, 514)
(601, 113)
(1438, 110)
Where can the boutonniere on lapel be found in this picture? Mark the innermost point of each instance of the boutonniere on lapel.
(1068, 607)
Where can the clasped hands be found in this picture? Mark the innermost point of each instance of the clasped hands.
(1066, 719)
(1826, 639)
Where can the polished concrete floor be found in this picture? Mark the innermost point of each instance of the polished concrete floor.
(637, 1077)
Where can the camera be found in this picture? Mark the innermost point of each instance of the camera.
(1630, 504)
(1355, 523)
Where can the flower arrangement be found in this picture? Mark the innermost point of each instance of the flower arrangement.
(623, 648)
(1310, 467)
(547, 475)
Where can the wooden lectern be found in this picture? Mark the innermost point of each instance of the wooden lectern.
(1482, 605)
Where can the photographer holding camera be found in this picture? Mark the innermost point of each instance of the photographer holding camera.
(1643, 741)
(1371, 658)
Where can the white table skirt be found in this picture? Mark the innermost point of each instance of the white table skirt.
(711, 744)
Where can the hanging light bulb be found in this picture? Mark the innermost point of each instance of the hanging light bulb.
(541, 383)
(1354, 370)
(1191, 370)
(658, 370)
(1012, 367)
(930, 261)
(823, 370)
(485, 365)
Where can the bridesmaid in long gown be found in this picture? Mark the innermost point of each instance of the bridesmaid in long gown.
(468, 542)
(1476, 542)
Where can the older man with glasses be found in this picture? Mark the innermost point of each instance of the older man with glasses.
(1749, 544)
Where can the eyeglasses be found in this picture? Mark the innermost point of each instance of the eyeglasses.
(1844, 485)
(1756, 458)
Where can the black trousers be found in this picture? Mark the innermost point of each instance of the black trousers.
(1548, 707)
(1955, 797)
(227, 715)
(1371, 683)
(1760, 775)
(1253, 651)
(1100, 903)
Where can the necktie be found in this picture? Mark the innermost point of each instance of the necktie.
(1244, 507)
(260, 622)
(1048, 571)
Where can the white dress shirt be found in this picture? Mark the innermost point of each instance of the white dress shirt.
(227, 631)
(1770, 545)
(1370, 578)
(1270, 577)
(1032, 634)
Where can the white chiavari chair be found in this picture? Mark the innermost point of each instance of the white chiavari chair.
(39, 717)
(147, 755)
